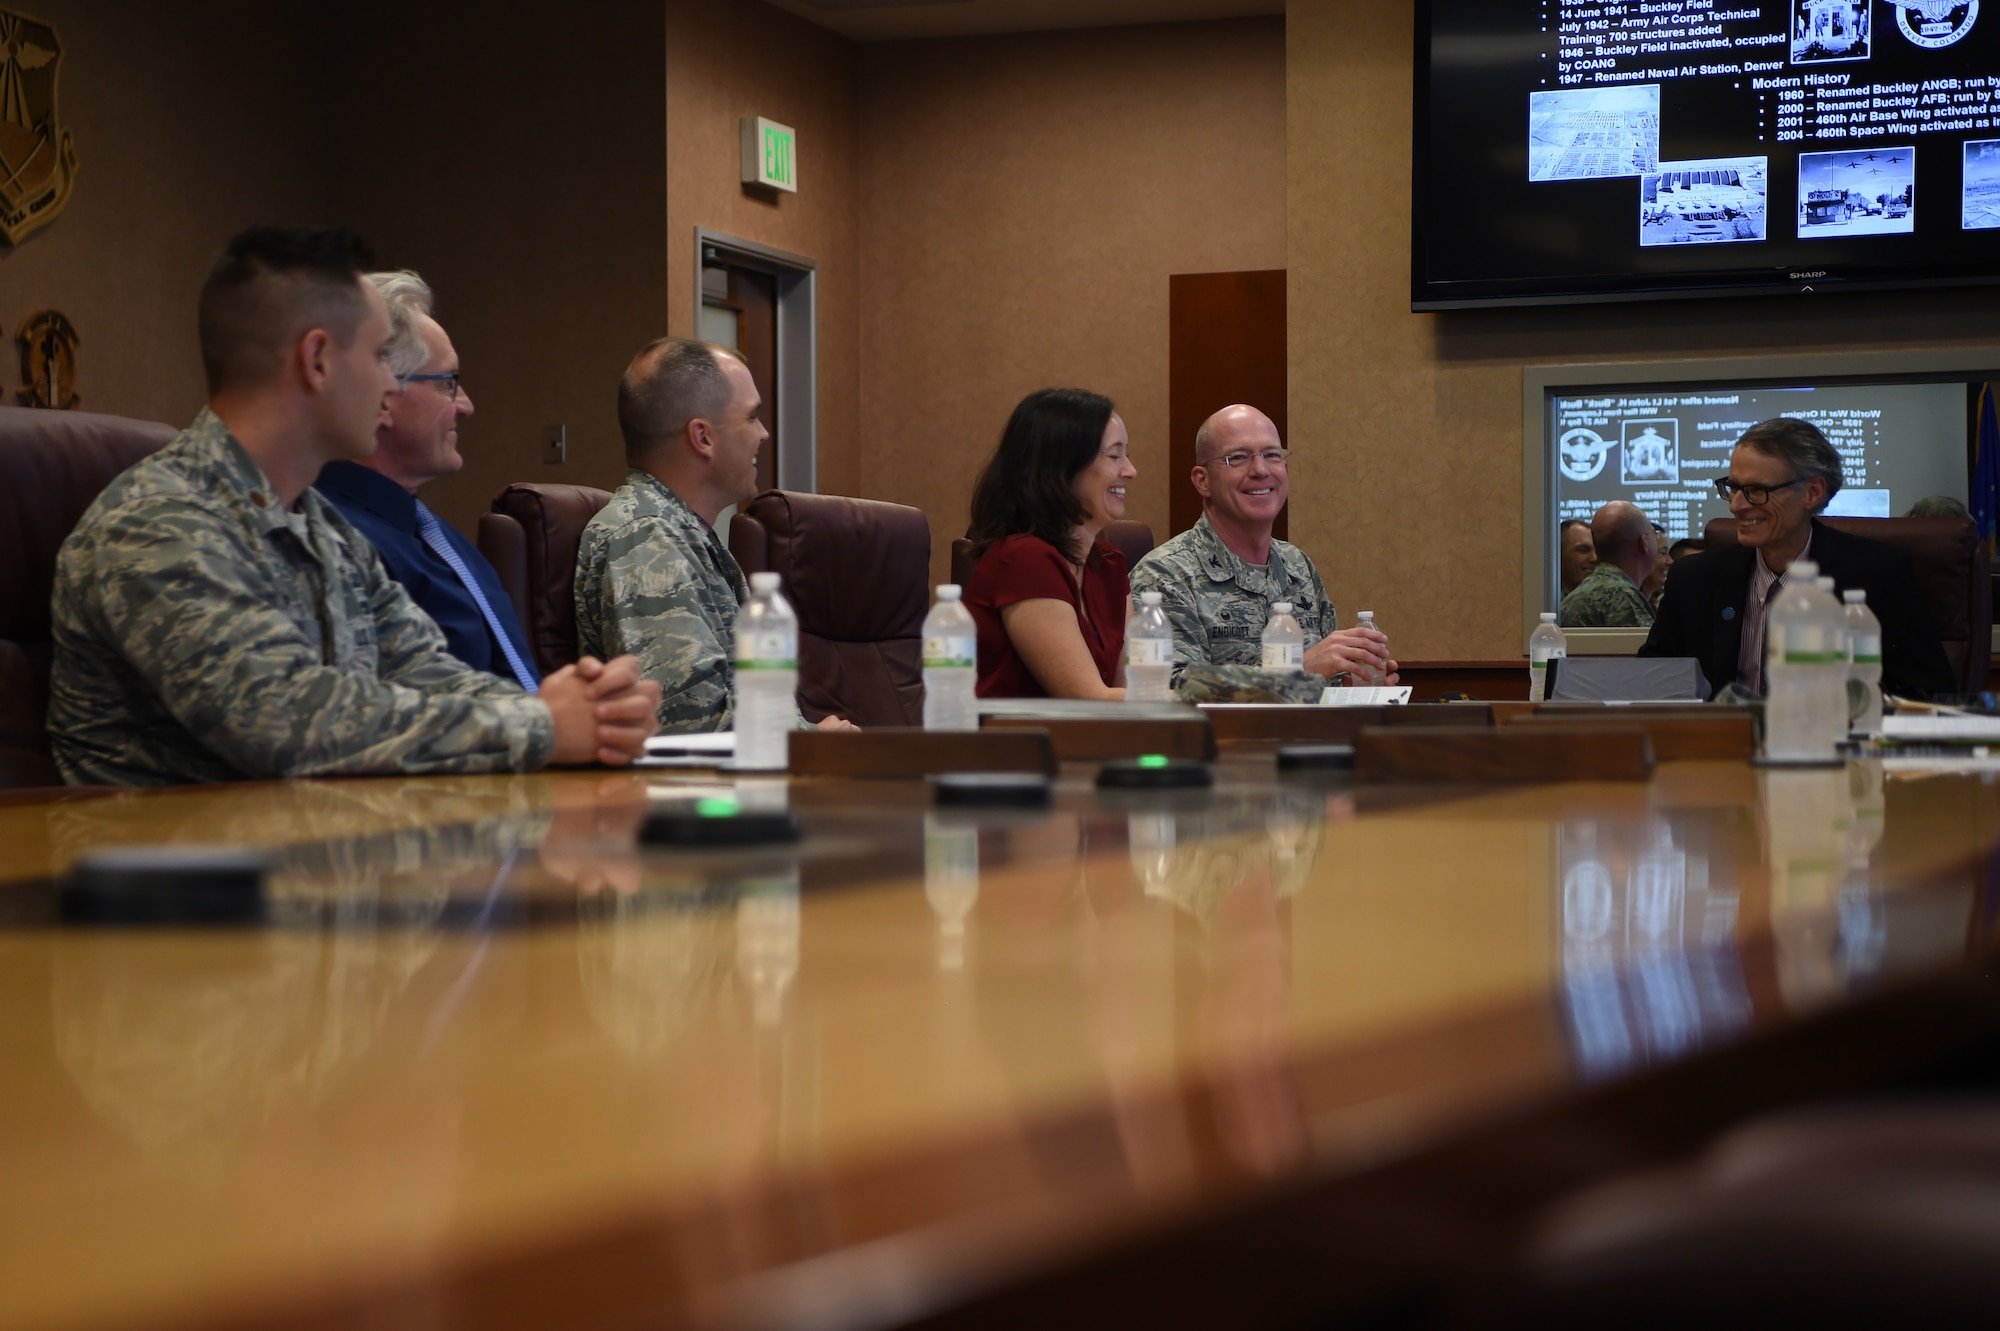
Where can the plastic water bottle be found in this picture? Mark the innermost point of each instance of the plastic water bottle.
(951, 663)
(1149, 652)
(1836, 720)
(1545, 644)
(1369, 674)
(1284, 640)
(1805, 670)
(1864, 659)
(767, 676)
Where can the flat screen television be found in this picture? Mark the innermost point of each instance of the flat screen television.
(1603, 150)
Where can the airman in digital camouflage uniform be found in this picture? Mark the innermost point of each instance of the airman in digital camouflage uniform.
(1611, 598)
(1219, 579)
(652, 576)
(216, 620)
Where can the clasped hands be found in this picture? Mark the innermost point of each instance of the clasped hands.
(1362, 654)
(604, 711)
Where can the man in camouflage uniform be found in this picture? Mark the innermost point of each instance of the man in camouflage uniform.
(1219, 579)
(652, 576)
(1611, 598)
(216, 620)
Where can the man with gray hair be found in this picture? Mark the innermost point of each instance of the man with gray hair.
(652, 576)
(416, 442)
(1782, 474)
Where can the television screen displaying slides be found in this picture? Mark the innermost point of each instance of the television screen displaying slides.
(1664, 449)
(1580, 149)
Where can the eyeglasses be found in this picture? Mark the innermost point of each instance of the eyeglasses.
(1237, 461)
(1759, 495)
(449, 381)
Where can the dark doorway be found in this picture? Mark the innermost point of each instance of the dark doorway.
(739, 308)
(1226, 344)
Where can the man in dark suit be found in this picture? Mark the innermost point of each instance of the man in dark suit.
(416, 442)
(1782, 473)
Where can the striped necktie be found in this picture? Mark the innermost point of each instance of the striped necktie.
(433, 535)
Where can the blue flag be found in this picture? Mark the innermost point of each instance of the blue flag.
(1986, 469)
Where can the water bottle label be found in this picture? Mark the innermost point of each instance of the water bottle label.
(1541, 656)
(766, 651)
(1284, 656)
(950, 652)
(1814, 658)
(1149, 651)
(1867, 650)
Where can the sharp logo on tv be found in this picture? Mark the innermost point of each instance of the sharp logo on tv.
(1936, 23)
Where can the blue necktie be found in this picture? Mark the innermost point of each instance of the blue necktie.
(433, 535)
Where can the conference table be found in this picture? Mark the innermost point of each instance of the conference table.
(1290, 1046)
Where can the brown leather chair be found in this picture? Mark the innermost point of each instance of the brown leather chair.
(52, 465)
(530, 537)
(1954, 580)
(857, 571)
(1134, 540)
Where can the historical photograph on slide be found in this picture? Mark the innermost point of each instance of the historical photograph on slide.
(1982, 185)
(1589, 133)
(1827, 30)
(1715, 202)
(1855, 193)
(1650, 452)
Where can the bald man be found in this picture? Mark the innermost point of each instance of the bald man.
(1219, 579)
(1611, 597)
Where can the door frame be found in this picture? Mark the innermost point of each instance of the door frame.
(798, 346)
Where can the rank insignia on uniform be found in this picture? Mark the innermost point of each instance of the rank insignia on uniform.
(37, 155)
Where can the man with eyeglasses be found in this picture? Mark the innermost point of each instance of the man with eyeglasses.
(416, 442)
(1219, 579)
(216, 619)
(1782, 474)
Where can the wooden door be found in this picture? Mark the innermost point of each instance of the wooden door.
(1226, 344)
(753, 297)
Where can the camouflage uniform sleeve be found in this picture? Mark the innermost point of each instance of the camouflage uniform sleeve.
(1604, 603)
(637, 590)
(1177, 598)
(181, 598)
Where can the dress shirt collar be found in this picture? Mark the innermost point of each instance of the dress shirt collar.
(371, 490)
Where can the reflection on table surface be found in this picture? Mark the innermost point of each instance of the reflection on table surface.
(484, 1017)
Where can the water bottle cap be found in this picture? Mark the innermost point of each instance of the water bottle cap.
(1855, 596)
(1368, 615)
(1281, 607)
(949, 591)
(1803, 570)
(1149, 598)
(764, 582)
(1824, 584)
(1548, 616)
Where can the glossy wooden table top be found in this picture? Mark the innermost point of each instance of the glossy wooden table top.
(494, 1065)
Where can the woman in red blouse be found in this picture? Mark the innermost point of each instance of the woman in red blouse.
(1048, 596)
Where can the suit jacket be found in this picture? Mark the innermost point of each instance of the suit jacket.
(1701, 614)
(386, 514)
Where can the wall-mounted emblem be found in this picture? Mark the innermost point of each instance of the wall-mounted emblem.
(48, 361)
(37, 155)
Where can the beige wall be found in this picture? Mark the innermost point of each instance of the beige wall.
(1411, 424)
(727, 59)
(184, 131)
(520, 171)
(538, 220)
(1023, 201)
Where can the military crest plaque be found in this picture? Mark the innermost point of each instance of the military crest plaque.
(37, 155)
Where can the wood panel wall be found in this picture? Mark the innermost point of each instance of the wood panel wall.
(1226, 344)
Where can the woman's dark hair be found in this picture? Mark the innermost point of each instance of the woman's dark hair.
(1026, 489)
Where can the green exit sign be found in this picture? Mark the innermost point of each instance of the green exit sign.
(770, 154)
